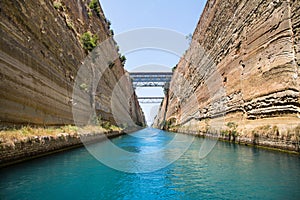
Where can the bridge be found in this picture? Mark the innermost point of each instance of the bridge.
(150, 79)
(150, 99)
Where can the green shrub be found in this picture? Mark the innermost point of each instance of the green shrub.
(123, 59)
(111, 32)
(106, 125)
(174, 68)
(94, 5)
(57, 5)
(108, 22)
(232, 130)
(89, 41)
(83, 86)
(70, 24)
(97, 120)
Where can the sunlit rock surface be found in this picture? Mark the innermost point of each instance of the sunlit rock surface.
(40, 54)
(242, 68)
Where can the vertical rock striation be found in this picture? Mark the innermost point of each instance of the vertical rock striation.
(241, 72)
(40, 54)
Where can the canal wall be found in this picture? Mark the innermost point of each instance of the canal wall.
(239, 80)
(28, 148)
(43, 44)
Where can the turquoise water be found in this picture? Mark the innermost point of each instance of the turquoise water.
(228, 172)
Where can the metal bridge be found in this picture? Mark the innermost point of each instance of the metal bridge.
(151, 79)
(150, 99)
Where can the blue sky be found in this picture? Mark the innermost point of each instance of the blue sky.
(180, 16)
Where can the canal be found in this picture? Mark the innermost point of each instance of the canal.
(229, 171)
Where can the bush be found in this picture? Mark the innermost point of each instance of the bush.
(106, 125)
(123, 59)
(111, 32)
(108, 22)
(94, 5)
(57, 5)
(70, 24)
(174, 68)
(97, 120)
(89, 41)
(83, 86)
(232, 130)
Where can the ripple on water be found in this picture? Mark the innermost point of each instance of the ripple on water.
(228, 172)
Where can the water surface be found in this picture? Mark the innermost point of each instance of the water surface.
(228, 172)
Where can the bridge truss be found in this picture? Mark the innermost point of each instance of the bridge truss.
(149, 100)
(150, 79)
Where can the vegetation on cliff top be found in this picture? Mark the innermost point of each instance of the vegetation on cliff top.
(123, 59)
(95, 6)
(12, 135)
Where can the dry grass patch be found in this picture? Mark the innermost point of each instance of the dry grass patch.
(26, 132)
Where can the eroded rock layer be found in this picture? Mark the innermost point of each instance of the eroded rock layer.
(41, 50)
(240, 77)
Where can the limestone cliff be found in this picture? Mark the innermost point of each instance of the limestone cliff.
(41, 50)
(240, 77)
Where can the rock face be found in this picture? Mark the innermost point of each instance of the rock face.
(240, 77)
(40, 53)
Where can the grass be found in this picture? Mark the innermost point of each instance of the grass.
(22, 134)
(27, 131)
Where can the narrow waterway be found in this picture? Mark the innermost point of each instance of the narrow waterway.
(228, 172)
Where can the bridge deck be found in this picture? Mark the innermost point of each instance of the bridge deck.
(150, 99)
(150, 79)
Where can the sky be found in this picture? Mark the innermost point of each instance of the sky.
(177, 18)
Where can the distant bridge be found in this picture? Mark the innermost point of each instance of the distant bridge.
(150, 99)
(150, 79)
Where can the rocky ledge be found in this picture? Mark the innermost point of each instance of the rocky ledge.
(29, 147)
